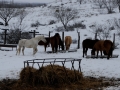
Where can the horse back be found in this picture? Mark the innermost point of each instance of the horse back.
(99, 45)
(108, 43)
(22, 42)
(88, 43)
(68, 40)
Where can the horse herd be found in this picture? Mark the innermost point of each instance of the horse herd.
(105, 46)
(55, 42)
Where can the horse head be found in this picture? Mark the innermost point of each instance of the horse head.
(41, 38)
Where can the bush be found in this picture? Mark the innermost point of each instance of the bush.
(77, 25)
(36, 24)
(14, 36)
(52, 22)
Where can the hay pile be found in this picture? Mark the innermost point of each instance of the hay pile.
(54, 75)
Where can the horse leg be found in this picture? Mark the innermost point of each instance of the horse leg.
(52, 49)
(86, 51)
(101, 52)
(97, 53)
(23, 50)
(45, 47)
(109, 54)
(83, 51)
(34, 51)
(69, 46)
(56, 48)
(18, 51)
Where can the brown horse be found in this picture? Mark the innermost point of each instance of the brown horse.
(68, 41)
(105, 46)
(56, 42)
(45, 43)
(88, 43)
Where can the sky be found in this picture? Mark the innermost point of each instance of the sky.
(33, 1)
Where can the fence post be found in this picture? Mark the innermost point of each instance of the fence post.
(63, 37)
(49, 37)
(95, 35)
(78, 40)
(114, 40)
(5, 30)
(34, 32)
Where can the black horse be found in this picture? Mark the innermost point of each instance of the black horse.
(55, 42)
(88, 43)
(45, 43)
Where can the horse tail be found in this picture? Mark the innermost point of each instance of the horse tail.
(61, 44)
(106, 42)
(56, 43)
(111, 49)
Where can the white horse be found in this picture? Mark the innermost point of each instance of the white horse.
(29, 43)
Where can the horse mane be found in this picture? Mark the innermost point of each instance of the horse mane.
(43, 43)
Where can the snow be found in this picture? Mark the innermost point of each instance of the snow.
(11, 64)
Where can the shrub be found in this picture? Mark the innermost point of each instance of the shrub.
(52, 22)
(36, 24)
(14, 36)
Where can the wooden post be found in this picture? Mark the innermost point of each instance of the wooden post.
(63, 37)
(49, 37)
(5, 30)
(34, 32)
(95, 35)
(78, 40)
(114, 40)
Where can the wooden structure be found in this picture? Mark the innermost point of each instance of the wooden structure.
(99, 56)
(34, 32)
(64, 51)
(52, 61)
(72, 64)
(4, 44)
(8, 45)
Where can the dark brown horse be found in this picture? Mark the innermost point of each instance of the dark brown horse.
(103, 46)
(88, 43)
(45, 43)
(56, 42)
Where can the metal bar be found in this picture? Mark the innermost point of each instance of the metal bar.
(43, 62)
(33, 64)
(38, 65)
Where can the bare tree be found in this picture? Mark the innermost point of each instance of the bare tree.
(109, 5)
(80, 1)
(102, 31)
(65, 15)
(118, 4)
(98, 3)
(117, 25)
(22, 15)
(7, 12)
